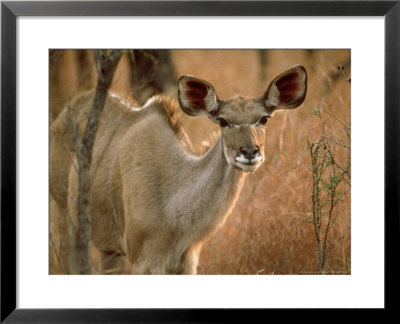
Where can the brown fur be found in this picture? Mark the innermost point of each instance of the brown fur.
(151, 198)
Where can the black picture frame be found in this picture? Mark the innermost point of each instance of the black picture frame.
(9, 13)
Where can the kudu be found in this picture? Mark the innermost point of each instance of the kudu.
(151, 199)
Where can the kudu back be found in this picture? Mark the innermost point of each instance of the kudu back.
(152, 200)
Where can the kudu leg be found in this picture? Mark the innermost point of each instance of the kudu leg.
(192, 260)
(73, 255)
(60, 236)
(67, 250)
(110, 262)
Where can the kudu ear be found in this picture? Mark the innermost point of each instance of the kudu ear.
(196, 96)
(288, 90)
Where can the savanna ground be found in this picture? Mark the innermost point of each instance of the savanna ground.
(270, 230)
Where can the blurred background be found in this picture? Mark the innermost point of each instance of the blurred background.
(272, 229)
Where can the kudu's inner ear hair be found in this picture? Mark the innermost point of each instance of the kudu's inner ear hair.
(196, 96)
(288, 90)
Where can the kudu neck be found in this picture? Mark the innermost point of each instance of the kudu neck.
(214, 160)
(218, 185)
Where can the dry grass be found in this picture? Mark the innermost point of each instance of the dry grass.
(266, 232)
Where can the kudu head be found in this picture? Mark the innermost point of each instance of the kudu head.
(243, 120)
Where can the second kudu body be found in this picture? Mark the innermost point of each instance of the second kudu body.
(151, 199)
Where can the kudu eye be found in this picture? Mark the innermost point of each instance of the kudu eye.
(222, 122)
(264, 120)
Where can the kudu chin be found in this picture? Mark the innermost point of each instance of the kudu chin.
(152, 200)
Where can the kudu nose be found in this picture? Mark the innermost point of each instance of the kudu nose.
(249, 152)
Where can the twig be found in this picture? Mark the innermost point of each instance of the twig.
(341, 68)
(337, 143)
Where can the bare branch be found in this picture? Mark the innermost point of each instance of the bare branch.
(106, 66)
